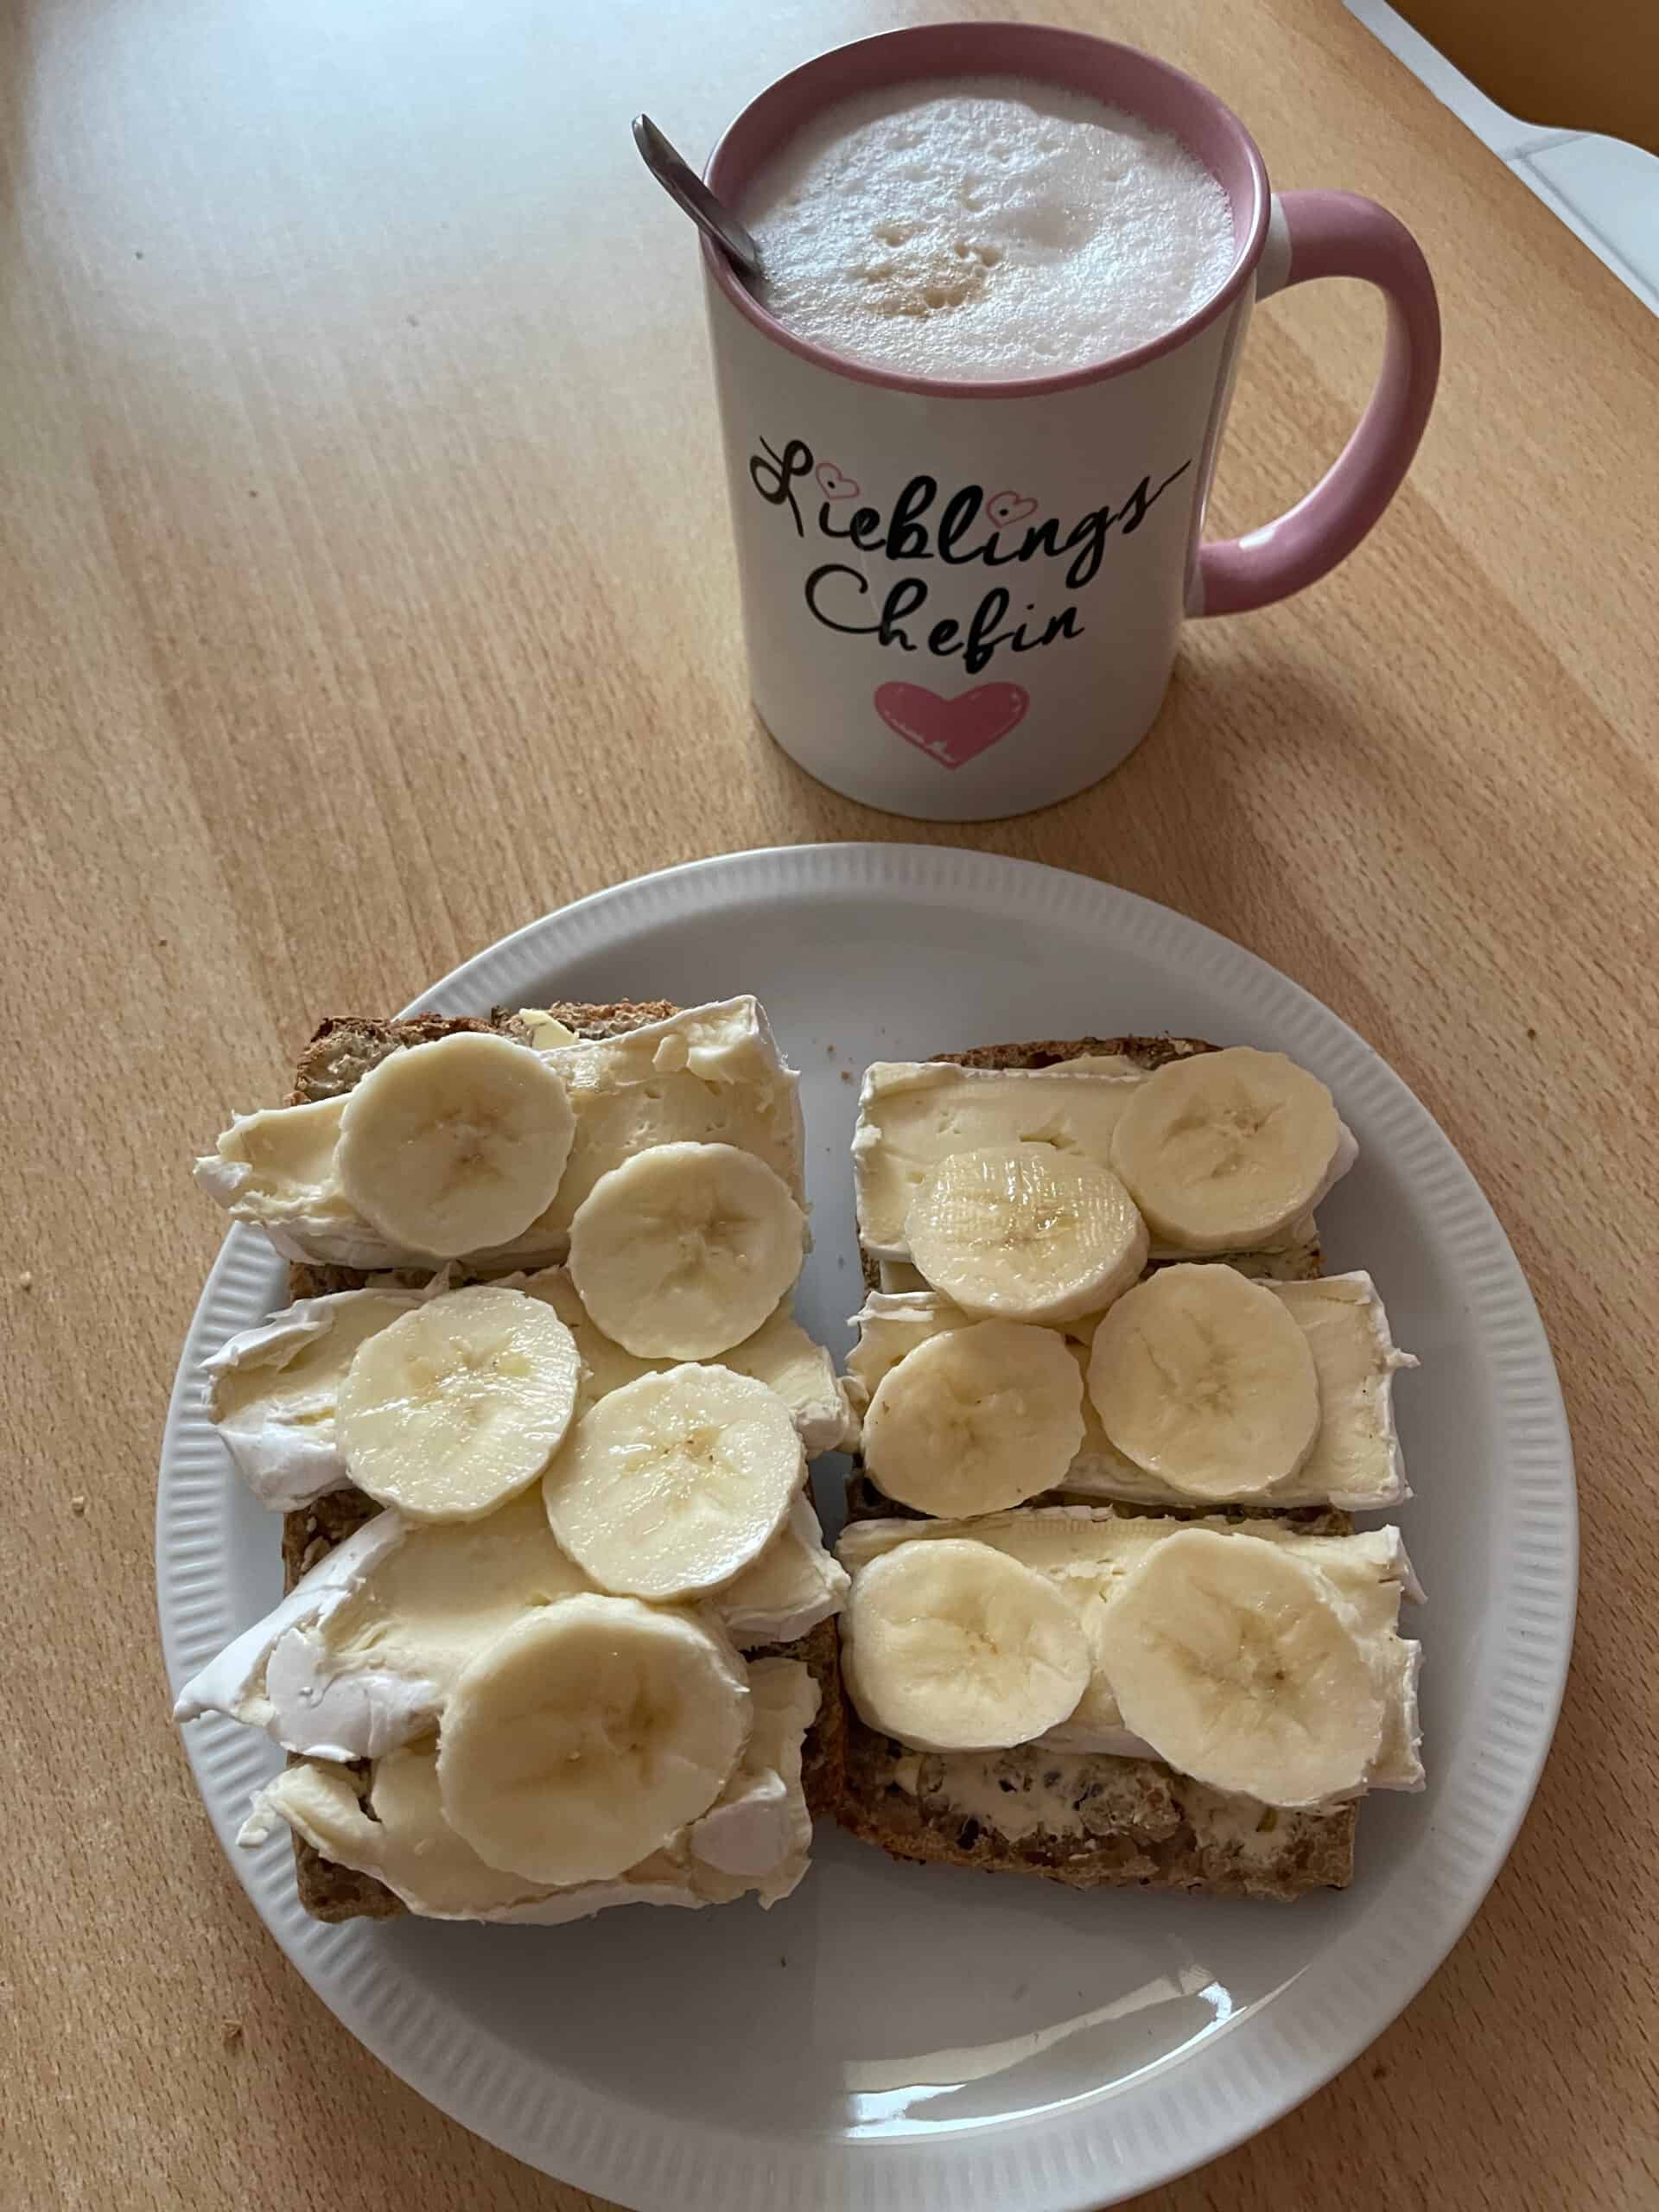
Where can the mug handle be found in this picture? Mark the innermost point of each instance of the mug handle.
(1338, 234)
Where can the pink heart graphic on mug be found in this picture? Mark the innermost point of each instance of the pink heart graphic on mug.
(951, 731)
(833, 484)
(1008, 506)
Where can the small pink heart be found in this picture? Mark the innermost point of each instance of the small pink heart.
(1008, 506)
(951, 731)
(833, 484)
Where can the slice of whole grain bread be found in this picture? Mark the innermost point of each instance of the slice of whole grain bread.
(1127, 1822)
(1132, 1824)
(340, 1055)
(1298, 1261)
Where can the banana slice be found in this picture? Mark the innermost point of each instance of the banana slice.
(587, 1736)
(685, 1249)
(1022, 1232)
(975, 1420)
(457, 1406)
(1240, 1666)
(953, 1647)
(1225, 1151)
(1204, 1379)
(674, 1484)
(452, 1147)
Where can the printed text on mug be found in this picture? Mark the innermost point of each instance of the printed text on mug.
(969, 527)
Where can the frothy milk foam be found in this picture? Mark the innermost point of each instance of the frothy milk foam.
(985, 226)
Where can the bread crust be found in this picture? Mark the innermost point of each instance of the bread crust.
(1135, 1824)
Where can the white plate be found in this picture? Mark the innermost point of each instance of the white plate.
(927, 2038)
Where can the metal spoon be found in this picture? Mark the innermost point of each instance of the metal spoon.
(683, 186)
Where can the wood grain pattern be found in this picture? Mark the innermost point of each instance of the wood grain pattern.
(1595, 67)
(365, 591)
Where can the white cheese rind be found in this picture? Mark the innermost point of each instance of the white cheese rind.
(360, 1656)
(911, 1113)
(710, 1074)
(756, 1837)
(1357, 1463)
(1088, 1552)
(233, 1683)
(795, 1584)
(272, 1391)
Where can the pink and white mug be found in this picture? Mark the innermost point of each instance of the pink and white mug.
(962, 598)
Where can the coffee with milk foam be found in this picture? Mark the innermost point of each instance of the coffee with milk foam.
(985, 226)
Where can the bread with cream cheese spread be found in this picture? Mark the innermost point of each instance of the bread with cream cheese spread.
(340, 1053)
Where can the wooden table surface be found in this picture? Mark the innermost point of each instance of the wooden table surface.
(366, 591)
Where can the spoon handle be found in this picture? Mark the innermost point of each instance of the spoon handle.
(684, 187)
